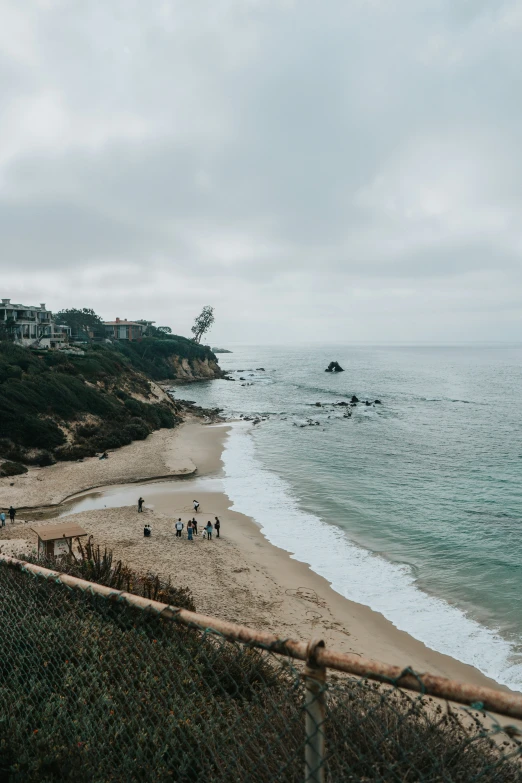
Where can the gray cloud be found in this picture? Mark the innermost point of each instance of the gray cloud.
(341, 172)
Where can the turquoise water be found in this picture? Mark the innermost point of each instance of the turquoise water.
(421, 496)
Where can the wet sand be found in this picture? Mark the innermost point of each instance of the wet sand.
(240, 577)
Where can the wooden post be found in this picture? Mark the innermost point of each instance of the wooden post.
(315, 713)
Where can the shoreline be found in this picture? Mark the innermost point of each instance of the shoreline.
(243, 577)
(49, 487)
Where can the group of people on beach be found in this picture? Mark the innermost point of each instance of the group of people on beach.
(192, 525)
(192, 529)
(12, 514)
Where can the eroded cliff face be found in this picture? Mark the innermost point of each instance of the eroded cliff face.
(195, 369)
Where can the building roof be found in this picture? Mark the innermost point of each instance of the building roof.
(6, 303)
(54, 532)
(123, 323)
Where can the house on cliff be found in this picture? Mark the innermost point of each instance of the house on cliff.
(32, 326)
(121, 329)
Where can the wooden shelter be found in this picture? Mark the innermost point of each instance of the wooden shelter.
(56, 539)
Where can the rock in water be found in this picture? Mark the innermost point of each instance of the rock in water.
(334, 367)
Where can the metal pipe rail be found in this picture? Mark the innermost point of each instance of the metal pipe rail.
(500, 702)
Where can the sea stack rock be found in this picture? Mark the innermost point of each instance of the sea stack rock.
(334, 367)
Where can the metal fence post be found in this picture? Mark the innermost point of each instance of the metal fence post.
(315, 712)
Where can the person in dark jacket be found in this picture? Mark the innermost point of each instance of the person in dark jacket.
(217, 525)
(12, 513)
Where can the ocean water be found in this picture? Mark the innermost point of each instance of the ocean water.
(412, 507)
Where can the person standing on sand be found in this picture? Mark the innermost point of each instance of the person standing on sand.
(217, 525)
(179, 528)
(196, 506)
(209, 530)
(140, 504)
(190, 528)
(195, 525)
(12, 513)
(2, 519)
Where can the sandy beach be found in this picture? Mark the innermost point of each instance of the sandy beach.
(240, 577)
(159, 455)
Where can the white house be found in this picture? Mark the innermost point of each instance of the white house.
(33, 326)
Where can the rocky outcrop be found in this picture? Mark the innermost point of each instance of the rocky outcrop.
(190, 370)
(334, 367)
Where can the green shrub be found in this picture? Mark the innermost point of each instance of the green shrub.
(12, 469)
(111, 439)
(42, 434)
(41, 458)
(87, 430)
(11, 371)
(72, 453)
(11, 452)
(137, 429)
(134, 407)
(44, 459)
(166, 416)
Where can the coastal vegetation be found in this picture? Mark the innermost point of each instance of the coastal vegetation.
(66, 405)
(159, 355)
(101, 691)
(84, 322)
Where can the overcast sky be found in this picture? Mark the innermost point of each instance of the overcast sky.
(347, 170)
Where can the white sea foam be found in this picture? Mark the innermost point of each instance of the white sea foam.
(355, 573)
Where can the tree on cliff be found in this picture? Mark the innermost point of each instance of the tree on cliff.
(84, 323)
(203, 323)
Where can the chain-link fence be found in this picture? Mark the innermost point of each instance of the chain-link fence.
(97, 685)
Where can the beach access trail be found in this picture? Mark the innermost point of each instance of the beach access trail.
(240, 577)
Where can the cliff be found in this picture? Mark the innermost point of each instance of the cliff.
(63, 405)
(189, 370)
(173, 358)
